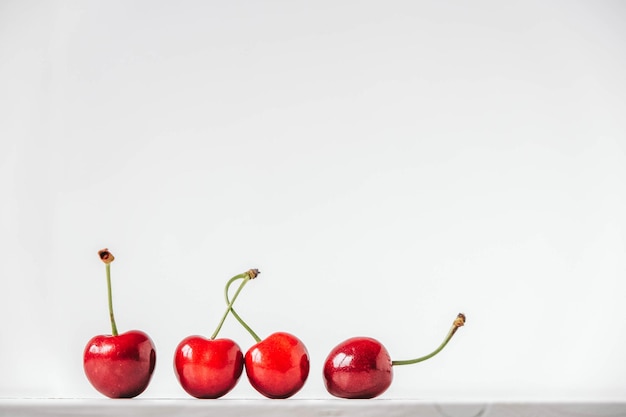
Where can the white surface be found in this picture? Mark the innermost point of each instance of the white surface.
(384, 164)
(302, 408)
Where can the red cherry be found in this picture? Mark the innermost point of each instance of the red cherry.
(120, 366)
(359, 367)
(208, 368)
(278, 366)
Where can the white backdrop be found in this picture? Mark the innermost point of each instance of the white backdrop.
(384, 164)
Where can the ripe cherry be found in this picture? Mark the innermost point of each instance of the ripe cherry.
(210, 368)
(277, 366)
(118, 365)
(361, 367)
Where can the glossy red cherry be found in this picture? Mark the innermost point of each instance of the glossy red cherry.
(361, 367)
(210, 368)
(118, 365)
(278, 366)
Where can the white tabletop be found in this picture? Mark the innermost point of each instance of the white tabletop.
(301, 408)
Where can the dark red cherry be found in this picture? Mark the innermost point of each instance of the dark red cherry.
(359, 367)
(119, 365)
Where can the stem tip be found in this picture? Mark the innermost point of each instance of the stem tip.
(459, 321)
(106, 256)
(253, 273)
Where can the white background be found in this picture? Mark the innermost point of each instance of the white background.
(384, 164)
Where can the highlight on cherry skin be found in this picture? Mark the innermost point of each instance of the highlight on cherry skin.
(277, 366)
(209, 368)
(361, 367)
(118, 365)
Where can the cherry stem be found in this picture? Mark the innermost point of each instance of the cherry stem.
(246, 276)
(458, 322)
(112, 317)
(234, 313)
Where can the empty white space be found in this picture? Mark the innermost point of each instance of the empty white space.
(385, 164)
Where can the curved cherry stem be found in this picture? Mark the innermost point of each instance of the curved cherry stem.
(234, 313)
(246, 276)
(458, 322)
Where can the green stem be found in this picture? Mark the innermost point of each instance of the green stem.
(246, 277)
(458, 322)
(112, 317)
(234, 313)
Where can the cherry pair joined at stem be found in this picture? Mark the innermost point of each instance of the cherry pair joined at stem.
(277, 366)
